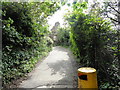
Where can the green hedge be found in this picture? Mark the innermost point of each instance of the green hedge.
(25, 37)
(63, 37)
(91, 39)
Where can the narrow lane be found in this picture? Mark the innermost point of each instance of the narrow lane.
(57, 70)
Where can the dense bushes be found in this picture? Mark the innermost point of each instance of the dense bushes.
(90, 38)
(63, 37)
(25, 37)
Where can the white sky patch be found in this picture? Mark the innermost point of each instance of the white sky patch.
(59, 15)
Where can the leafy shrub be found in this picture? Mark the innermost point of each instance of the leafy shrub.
(63, 37)
(24, 37)
(90, 37)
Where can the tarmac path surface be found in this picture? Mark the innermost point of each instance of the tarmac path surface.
(57, 70)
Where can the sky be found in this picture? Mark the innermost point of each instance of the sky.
(58, 16)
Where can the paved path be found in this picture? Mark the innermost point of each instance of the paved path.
(57, 70)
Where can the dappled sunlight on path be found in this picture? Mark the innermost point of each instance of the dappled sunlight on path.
(57, 70)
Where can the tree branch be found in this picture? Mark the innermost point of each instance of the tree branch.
(114, 8)
(113, 19)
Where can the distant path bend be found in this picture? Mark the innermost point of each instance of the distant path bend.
(57, 70)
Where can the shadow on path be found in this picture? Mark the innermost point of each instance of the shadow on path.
(57, 70)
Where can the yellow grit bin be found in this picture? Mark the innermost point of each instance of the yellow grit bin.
(87, 78)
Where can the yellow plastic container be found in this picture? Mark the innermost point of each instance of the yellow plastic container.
(87, 78)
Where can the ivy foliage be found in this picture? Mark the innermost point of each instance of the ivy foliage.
(25, 37)
(90, 38)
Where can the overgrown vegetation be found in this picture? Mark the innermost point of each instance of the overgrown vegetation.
(63, 37)
(91, 36)
(93, 43)
(25, 37)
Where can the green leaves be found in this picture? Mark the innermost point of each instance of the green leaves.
(114, 48)
(93, 43)
(24, 37)
(63, 36)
